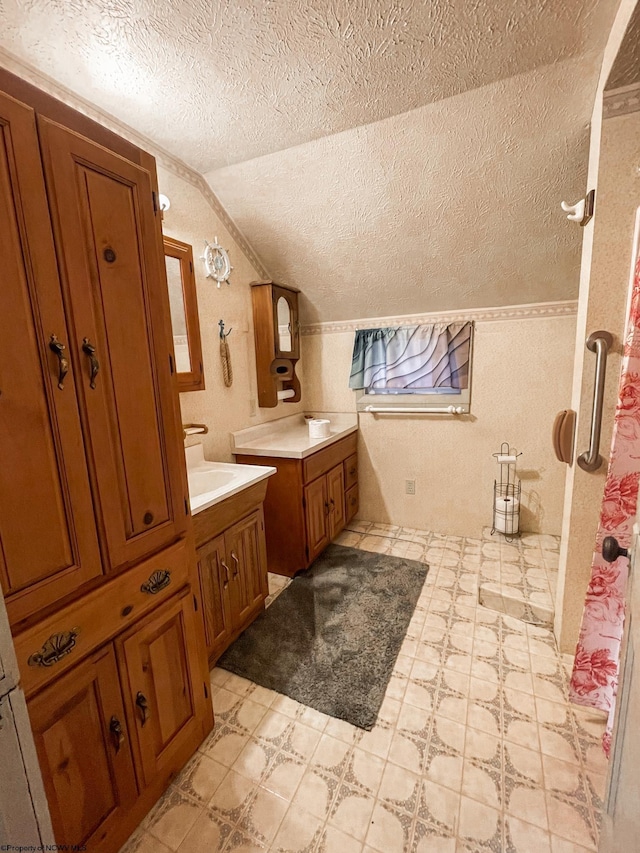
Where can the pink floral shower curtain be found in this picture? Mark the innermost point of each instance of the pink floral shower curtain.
(594, 680)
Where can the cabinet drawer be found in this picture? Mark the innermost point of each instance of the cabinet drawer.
(351, 471)
(324, 460)
(351, 501)
(58, 642)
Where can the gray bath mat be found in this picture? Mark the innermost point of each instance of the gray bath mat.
(331, 638)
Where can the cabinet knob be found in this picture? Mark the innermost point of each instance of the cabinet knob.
(59, 348)
(115, 727)
(143, 707)
(94, 365)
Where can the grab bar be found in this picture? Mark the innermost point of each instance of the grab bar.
(600, 343)
(388, 410)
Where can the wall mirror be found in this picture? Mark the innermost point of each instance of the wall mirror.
(185, 322)
(284, 325)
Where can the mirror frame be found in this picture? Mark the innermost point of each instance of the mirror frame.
(194, 379)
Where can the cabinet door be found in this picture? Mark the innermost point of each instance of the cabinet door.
(215, 576)
(109, 246)
(285, 320)
(48, 540)
(246, 558)
(335, 492)
(165, 694)
(81, 738)
(316, 511)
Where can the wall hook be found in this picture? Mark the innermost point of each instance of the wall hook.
(224, 335)
(582, 211)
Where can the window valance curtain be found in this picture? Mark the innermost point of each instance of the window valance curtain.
(411, 357)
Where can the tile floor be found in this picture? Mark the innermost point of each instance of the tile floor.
(519, 578)
(476, 747)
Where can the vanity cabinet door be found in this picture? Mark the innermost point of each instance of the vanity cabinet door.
(215, 576)
(335, 492)
(48, 538)
(316, 512)
(109, 245)
(246, 559)
(83, 747)
(164, 692)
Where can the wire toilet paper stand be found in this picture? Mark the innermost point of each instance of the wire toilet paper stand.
(506, 495)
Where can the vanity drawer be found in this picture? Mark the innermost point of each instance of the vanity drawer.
(57, 643)
(351, 503)
(324, 460)
(351, 471)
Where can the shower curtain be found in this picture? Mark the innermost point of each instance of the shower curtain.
(595, 673)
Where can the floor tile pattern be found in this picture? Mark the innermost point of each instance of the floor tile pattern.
(520, 577)
(476, 747)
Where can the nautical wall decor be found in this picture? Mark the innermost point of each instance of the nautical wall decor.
(216, 262)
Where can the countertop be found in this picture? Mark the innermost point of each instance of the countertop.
(288, 438)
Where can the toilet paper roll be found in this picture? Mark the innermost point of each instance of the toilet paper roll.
(319, 428)
(286, 394)
(503, 459)
(507, 515)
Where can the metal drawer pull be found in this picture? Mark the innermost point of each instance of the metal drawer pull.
(58, 348)
(237, 562)
(143, 705)
(157, 581)
(89, 349)
(600, 343)
(115, 727)
(55, 648)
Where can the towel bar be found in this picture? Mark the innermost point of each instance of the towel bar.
(398, 410)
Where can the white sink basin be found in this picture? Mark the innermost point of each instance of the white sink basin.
(212, 482)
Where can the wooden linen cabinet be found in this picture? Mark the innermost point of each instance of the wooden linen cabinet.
(97, 556)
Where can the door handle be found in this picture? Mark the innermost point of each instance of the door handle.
(611, 550)
(237, 564)
(143, 706)
(115, 727)
(94, 365)
(226, 573)
(600, 343)
(58, 348)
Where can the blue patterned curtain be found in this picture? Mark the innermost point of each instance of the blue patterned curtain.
(412, 357)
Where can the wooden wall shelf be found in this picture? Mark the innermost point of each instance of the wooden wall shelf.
(277, 336)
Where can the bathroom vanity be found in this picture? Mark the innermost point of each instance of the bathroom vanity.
(228, 520)
(314, 492)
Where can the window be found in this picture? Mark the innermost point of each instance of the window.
(413, 367)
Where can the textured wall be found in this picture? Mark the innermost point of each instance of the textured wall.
(219, 83)
(454, 205)
(224, 410)
(450, 458)
(626, 68)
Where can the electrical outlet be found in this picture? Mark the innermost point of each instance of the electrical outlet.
(410, 487)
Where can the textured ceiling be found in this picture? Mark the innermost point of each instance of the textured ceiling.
(222, 82)
(626, 68)
(453, 205)
(384, 156)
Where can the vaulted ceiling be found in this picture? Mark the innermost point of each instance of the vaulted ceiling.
(385, 156)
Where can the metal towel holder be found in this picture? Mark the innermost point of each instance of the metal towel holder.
(599, 342)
